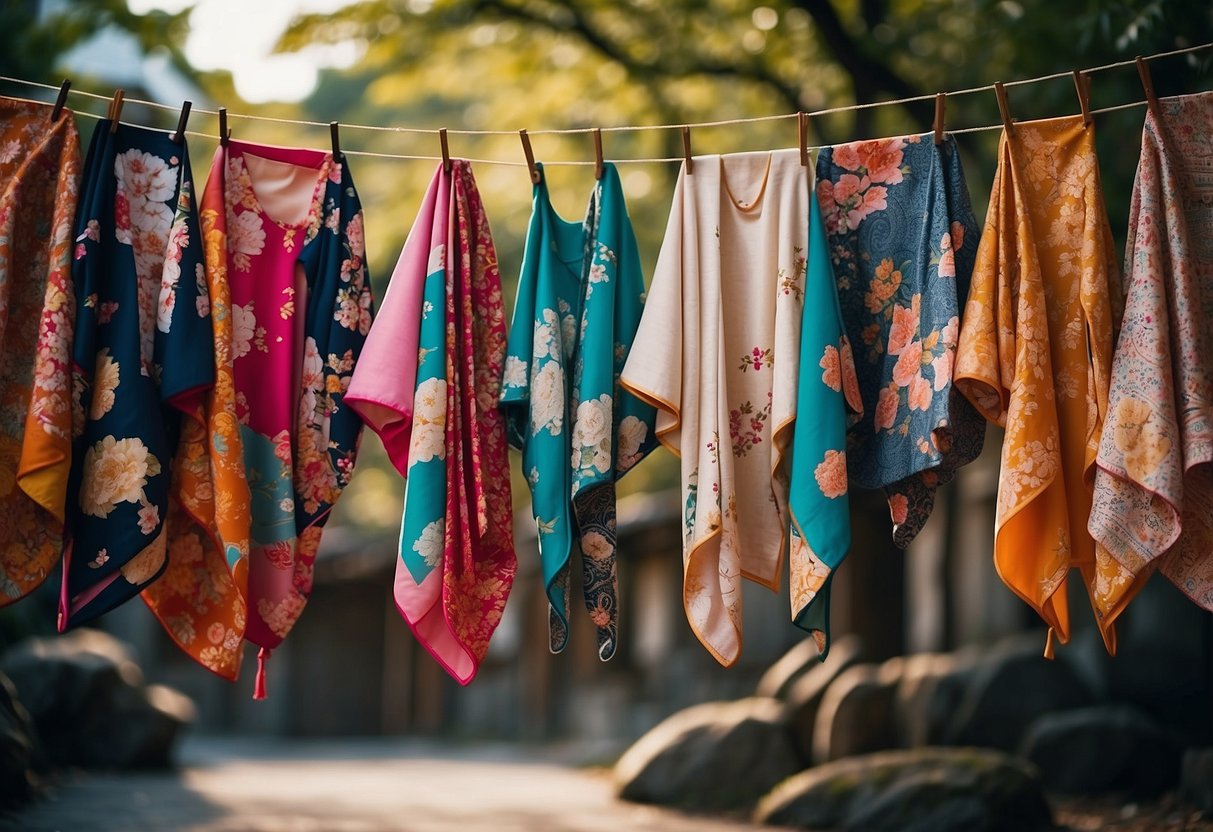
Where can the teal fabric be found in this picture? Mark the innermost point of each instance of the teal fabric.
(580, 297)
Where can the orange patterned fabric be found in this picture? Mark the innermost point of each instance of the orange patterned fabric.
(200, 599)
(1035, 356)
(39, 184)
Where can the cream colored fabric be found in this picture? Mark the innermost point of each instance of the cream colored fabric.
(718, 353)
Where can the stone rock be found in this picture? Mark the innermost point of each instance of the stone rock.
(1196, 781)
(856, 714)
(1104, 748)
(930, 691)
(804, 695)
(716, 756)
(18, 744)
(918, 790)
(1011, 686)
(86, 696)
(803, 660)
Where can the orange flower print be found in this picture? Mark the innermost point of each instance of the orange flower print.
(920, 393)
(886, 407)
(832, 365)
(905, 325)
(847, 157)
(882, 160)
(1138, 436)
(850, 379)
(908, 365)
(899, 507)
(831, 474)
(884, 287)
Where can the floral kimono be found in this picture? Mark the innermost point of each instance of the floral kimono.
(1035, 356)
(428, 382)
(141, 359)
(827, 398)
(718, 353)
(300, 311)
(903, 238)
(580, 298)
(39, 180)
(1153, 502)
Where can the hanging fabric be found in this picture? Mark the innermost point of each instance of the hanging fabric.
(142, 357)
(718, 354)
(1153, 503)
(580, 298)
(39, 184)
(827, 400)
(1035, 357)
(428, 383)
(903, 239)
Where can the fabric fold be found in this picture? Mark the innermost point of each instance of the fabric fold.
(828, 399)
(39, 189)
(438, 410)
(141, 359)
(1153, 500)
(1035, 357)
(903, 239)
(579, 304)
(718, 354)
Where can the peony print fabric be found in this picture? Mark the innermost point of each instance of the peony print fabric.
(718, 354)
(902, 240)
(1035, 357)
(827, 400)
(39, 188)
(580, 297)
(1153, 500)
(437, 410)
(141, 359)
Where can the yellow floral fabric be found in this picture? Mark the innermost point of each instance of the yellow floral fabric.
(39, 184)
(1035, 356)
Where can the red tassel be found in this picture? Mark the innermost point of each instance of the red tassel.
(263, 656)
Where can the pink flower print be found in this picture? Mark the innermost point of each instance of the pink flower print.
(881, 160)
(847, 157)
(849, 189)
(920, 393)
(356, 238)
(886, 407)
(756, 359)
(909, 364)
(832, 364)
(279, 554)
(905, 325)
(899, 507)
(831, 474)
(103, 555)
(948, 334)
(149, 518)
(947, 260)
(942, 365)
(80, 251)
(105, 312)
(873, 201)
(282, 445)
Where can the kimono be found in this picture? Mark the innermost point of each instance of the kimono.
(428, 383)
(827, 400)
(141, 359)
(39, 184)
(1035, 357)
(718, 353)
(1153, 499)
(300, 308)
(580, 297)
(903, 237)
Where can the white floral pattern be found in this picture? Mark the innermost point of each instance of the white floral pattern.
(429, 421)
(115, 471)
(429, 544)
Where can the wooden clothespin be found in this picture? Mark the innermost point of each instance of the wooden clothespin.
(802, 136)
(335, 135)
(598, 153)
(1147, 83)
(940, 105)
(1082, 84)
(1003, 107)
(224, 132)
(686, 149)
(61, 100)
(446, 151)
(530, 156)
(116, 109)
(179, 133)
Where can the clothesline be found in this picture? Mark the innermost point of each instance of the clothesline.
(622, 128)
